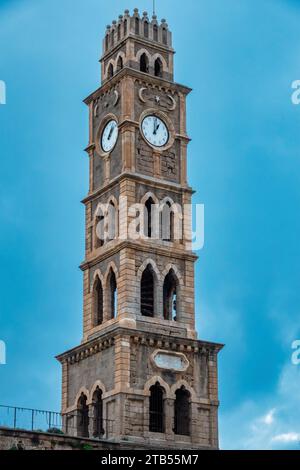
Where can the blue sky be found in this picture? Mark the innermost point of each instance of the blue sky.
(240, 57)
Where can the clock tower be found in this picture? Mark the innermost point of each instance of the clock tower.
(140, 374)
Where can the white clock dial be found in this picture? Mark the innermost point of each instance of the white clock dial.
(155, 131)
(109, 136)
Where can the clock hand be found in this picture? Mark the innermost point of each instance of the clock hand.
(110, 132)
(154, 123)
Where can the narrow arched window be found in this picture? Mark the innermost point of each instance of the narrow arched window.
(125, 27)
(99, 231)
(167, 222)
(182, 412)
(146, 29)
(98, 302)
(155, 32)
(144, 63)
(170, 301)
(165, 36)
(82, 417)
(147, 292)
(119, 32)
(98, 429)
(112, 221)
(106, 41)
(112, 37)
(156, 409)
(158, 68)
(110, 72)
(119, 64)
(148, 229)
(112, 295)
(137, 26)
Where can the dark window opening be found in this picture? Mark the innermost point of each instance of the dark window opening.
(106, 41)
(112, 294)
(170, 297)
(119, 32)
(137, 26)
(155, 32)
(167, 223)
(98, 430)
(110, 71)
(98, 303)
(112, 37)
(83, 417)
(112, 222)
(119, 64)
(148, 218)
(156, 410)
(165, 36)
(182, 412)
(146, 29)
(158, 68)
(125, 27)
(144, 63)
(147, 292)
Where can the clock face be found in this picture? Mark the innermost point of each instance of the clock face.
(155, 131)
(109, 136)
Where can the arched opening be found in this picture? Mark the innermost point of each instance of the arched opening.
(112, 295)
(182, 412)
(82, 417)
(112, 221)
(156, 409)
(148, 217)
(155, 32)
(146, 29)
(119, 32)
(170, 300)
(112, 39)
(167, 222)
(98, 429)
(144, 63)
(165, 36)
(158, 67)
(125, 27)
(119, 64)
(99, 231)
(110, 72)
(147, 292)
(106, 41)
(137, 26)
(98, 302)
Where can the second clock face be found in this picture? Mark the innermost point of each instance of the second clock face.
(155, 131)
(109, 136)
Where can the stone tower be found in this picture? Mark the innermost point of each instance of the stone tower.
(140, 374)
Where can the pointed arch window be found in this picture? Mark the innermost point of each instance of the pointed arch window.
(137, 26)
(167, 222)
(112, 37)
(112, 295)
(170, 301)
(112, 221)
(119, 32)
(165, 36)
(158, 67)
(98, 430)
(106, 41)
(146, 29)
(147, 292)
(148, 218)
(98, 302)
(110, 72)
(82, 417)
(156, 409)
(125, 27)
(182, 412)
(144, 63)
(119, 64)
(155, 32)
